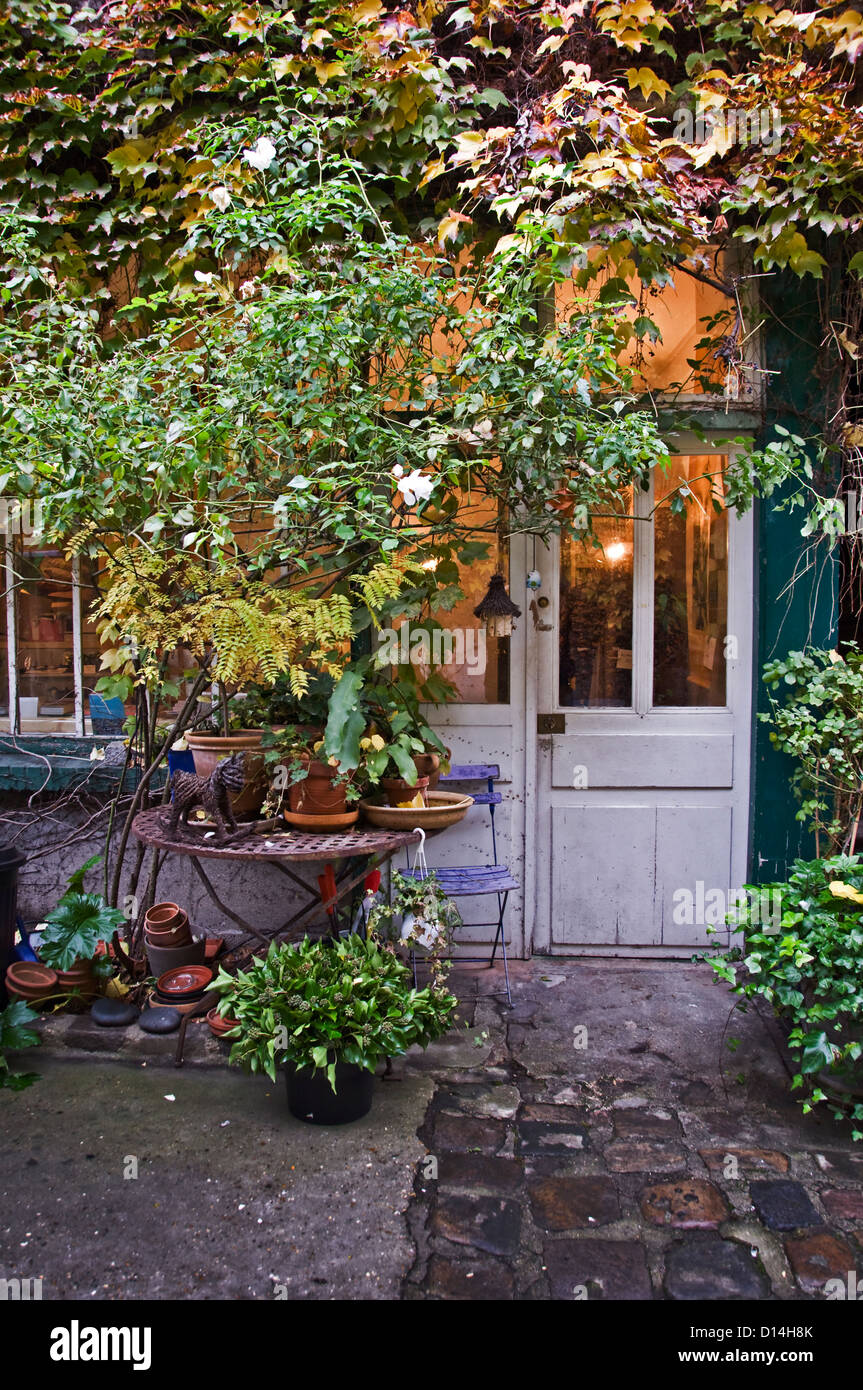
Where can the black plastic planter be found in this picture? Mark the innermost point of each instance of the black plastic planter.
(311, 1098)
(11, 860)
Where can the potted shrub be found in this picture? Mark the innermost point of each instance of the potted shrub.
(70, 937)
(329, 1011)
(407, 739)
(807, 964)
(319, 795)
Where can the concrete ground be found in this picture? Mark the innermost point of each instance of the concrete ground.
(598, 1141)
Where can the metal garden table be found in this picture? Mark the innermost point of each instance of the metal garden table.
(281, 848)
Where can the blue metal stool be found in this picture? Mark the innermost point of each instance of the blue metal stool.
(480, 880)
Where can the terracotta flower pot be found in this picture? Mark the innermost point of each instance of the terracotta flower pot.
(164, 917)
(318, 794)
(209, 750)
(175, 936)
(428, 766)
(396, 789)
(78, 977)
(219, 1026)
(27, 980)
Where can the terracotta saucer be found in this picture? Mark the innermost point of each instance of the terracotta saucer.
(186, 980)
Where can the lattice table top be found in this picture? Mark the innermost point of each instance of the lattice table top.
(150, 827)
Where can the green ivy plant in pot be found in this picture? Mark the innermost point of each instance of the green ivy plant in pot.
(329, 1011)
(802, 953)
(419, 916)
(307, 787)
(70, 937)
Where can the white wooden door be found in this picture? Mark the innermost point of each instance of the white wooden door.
(639, 689)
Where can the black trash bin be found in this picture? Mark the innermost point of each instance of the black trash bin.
(11, 860)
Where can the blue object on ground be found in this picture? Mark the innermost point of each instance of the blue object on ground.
(23, 950)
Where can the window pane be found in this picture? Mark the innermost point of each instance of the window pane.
(691, 584)
(46, 683)
(453, 640)
(596, 614)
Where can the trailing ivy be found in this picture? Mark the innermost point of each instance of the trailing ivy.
(808, 967)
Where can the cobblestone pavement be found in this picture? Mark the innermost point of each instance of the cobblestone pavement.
(596, 1150)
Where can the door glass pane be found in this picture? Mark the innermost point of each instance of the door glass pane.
(691, 584)
(596, 614)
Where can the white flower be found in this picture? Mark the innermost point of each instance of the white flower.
(220, 198)
(416, 487)
(398, 471)
(97, 755)
(247, 289)
(204, 277)
(261, 155)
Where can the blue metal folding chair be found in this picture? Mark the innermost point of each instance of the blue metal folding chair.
(481, 880)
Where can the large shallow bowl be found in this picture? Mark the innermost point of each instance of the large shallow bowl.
(444, 808)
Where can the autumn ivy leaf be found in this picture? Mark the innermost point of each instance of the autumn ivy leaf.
(648, 82)
(131, 157)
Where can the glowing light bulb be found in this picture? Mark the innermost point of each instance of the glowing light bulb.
(615, 551)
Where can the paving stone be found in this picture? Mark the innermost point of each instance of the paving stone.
(522, 1013)
(840, 1165)
(496, 1174)
(548, 1113)
(466, 1134)
(488, 1223)
(845, 1204)
(568, 1204)
(722, 1125)
(645, 1124)
(748, 1160)
(606, 1269)
(783, 1205)
(693, 1204)
(537, 1137)
(696, 1093)
(818, 1257)
(713, 1269)
(490, 1102)
(476, 1279)
(632, 1156)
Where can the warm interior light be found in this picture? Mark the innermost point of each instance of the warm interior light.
(430, 564)
(615, 551)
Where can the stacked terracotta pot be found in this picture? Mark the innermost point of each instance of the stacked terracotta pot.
(168, 939)
(182, 989)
